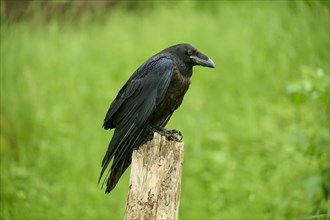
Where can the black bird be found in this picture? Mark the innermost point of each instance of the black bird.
(145, 104)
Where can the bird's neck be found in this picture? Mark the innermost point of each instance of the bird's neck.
(185, 70)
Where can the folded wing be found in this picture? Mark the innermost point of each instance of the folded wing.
(130, 111)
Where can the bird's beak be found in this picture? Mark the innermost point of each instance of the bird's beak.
(202, 60)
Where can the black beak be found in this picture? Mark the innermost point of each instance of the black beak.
(202, 60)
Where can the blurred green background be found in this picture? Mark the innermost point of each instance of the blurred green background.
(256, 128)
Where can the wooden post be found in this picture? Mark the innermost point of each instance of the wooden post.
(155, 182)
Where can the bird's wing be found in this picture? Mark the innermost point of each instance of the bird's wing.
(150, 80)
(133, 106)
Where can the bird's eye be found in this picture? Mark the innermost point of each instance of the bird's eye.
(190, 52)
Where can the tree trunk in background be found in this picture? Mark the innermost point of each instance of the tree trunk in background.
(155, 182)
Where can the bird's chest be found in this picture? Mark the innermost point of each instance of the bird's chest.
(173, 97)
(176, 90)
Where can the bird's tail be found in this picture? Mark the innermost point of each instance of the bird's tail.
(120, 149)
(118, 170)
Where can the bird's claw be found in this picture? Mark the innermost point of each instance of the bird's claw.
(174, 135)
(171, 135)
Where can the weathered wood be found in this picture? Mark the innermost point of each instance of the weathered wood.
(155, 182)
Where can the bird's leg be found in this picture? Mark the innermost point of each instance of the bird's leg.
(172, 135)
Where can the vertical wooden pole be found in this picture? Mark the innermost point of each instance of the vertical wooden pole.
(155, 182)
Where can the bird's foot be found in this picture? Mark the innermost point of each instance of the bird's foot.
(171, 135)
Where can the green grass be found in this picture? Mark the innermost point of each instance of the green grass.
(256, 128)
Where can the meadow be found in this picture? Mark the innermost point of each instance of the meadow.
(256, 128)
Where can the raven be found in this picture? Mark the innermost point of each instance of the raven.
(145, 104)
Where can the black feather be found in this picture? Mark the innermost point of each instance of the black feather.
(148, 99)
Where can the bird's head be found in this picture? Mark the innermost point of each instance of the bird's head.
(191, 56)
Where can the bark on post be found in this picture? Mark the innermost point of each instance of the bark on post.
(155, 182)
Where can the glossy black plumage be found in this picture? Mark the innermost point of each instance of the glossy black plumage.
(146, 102)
